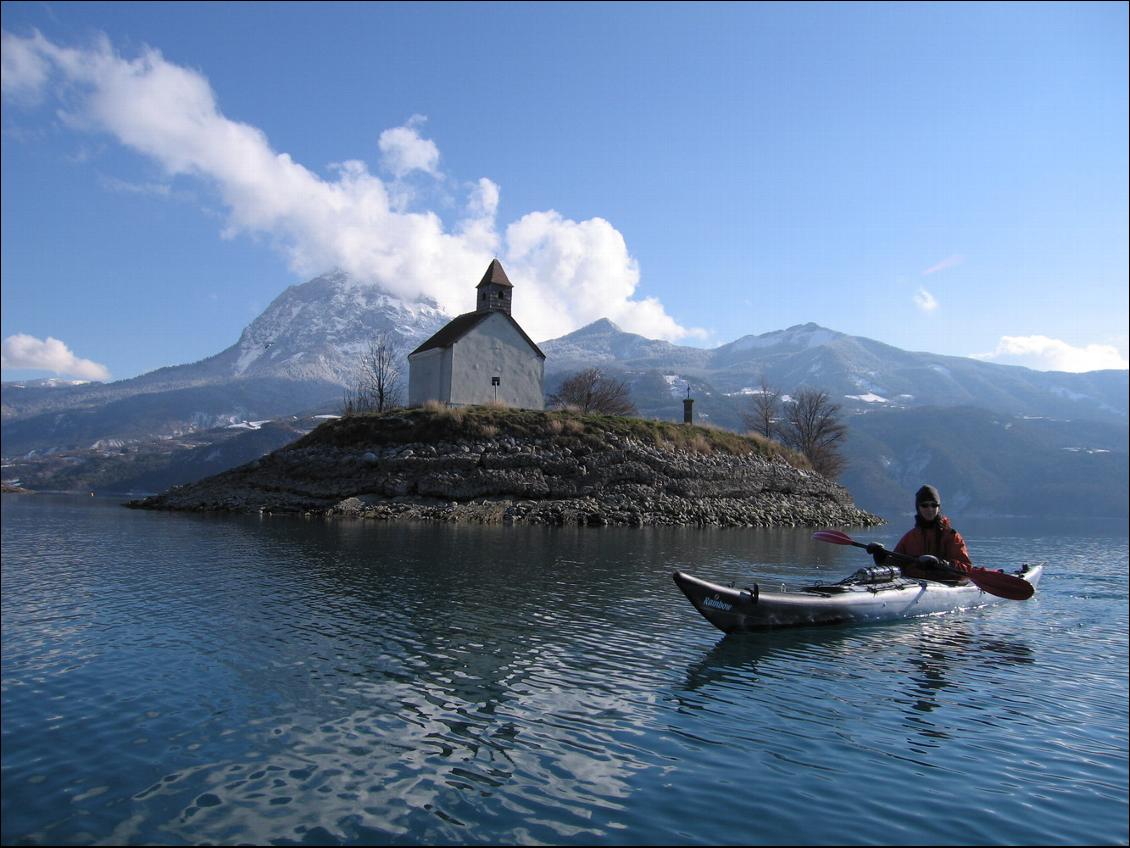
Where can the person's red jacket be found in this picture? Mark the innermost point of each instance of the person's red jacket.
(941, 541)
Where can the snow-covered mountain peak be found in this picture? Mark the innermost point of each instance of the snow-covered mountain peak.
(318, 330)
(600, 327)
(797, 337)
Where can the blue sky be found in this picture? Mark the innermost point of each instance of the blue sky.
(941, 177)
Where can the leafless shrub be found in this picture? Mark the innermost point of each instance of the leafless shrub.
(591, 391)
(812, 428)
(765, 409)
(380, 377)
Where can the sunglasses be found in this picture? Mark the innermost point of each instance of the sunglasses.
(929, 504)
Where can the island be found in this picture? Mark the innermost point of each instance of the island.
(491, 464)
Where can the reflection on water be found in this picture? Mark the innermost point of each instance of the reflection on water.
(187, 679)
(940, 653)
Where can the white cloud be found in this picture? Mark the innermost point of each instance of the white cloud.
(130, 187)
(567, 272)
(403, 151)
(24, 351)
(1047, 354)
(23, 68)
(948, 262)
(925, 301)
(584, 273)
(484, 199)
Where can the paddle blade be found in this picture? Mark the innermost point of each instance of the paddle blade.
(833, 536)
(1002, 585)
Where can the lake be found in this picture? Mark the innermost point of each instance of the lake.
(185, 679)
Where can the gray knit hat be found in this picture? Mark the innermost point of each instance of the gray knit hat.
(927, 493)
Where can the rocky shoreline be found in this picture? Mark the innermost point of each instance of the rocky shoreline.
(552, 470)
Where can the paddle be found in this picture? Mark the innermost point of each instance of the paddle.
(993, 582)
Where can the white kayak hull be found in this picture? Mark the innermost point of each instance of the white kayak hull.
(734, 610)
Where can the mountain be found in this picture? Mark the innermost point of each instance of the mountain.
(986, 463)
(998, 439)
(50, 383)
(296, 357)
(154, 465)
(317, 331)
(1001, 439)
(603, 344)
(858, 373)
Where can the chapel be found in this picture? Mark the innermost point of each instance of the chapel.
(480, 357)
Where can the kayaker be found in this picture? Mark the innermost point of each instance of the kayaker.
(940, 549)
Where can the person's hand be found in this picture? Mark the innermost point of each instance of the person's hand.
(878, 553)
(929, 562)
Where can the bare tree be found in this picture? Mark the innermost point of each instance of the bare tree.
(765, 412)
(591, 391)
(812, 427)
(380, 377)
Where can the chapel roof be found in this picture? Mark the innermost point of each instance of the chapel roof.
(461, 325)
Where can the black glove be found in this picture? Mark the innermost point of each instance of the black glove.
(931, 563)
(878, 553)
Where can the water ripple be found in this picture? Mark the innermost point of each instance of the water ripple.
(178, 679)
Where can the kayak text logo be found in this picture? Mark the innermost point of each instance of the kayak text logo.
(717, 604)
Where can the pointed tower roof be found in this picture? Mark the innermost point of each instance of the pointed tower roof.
(495, 276)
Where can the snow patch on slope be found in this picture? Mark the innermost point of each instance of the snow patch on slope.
(676, 385)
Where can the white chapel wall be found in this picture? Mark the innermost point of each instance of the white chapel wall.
(494, 348)
(429, 376)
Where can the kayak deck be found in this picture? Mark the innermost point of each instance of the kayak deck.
(865, 596)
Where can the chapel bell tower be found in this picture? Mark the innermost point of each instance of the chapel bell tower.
(495, 290)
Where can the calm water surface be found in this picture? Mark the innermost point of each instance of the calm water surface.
(183, 679)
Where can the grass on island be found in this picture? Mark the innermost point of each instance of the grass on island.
(435, 422)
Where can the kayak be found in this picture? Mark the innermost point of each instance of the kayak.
(879, 593)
